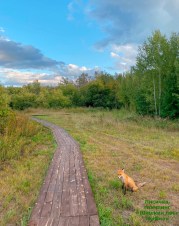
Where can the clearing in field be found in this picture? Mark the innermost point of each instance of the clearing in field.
(146, 148)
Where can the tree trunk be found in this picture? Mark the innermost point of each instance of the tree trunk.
(159, 88)
(155, 96)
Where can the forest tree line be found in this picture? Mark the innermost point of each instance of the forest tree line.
(151, 87)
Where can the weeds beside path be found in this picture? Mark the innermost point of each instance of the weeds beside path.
(26, 151)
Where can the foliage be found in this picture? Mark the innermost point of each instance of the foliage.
(157, 67)
(150, 88)
(23, 100)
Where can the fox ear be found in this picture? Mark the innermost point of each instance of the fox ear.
(123, 170)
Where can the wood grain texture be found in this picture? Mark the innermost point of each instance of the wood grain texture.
(65, 198)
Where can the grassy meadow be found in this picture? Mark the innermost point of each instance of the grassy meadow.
(26, 149)
(147, 148)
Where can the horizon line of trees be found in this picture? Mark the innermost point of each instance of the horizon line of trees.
(151, 87)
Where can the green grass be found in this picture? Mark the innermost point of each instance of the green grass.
(22, 170)
(147, 148)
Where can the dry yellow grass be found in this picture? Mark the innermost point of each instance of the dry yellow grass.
(23, 170)
(147, 149)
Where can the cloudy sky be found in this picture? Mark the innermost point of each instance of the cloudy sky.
(48, 39)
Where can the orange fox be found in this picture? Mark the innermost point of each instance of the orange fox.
(127, 182)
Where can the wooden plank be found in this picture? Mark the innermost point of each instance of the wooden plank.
(56, 204)
(47, 206)
(91, 206)
(84, 221)
(49, 196)
(36, 212)
(64, 221)
(65, 198)
(74, 208)
(65, 206)
(55, 221)
(94, 220)
(38, 206)
(46, 209)
(74, 221)
(80, 188)
(45, 221)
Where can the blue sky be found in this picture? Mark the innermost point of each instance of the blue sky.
(46, 40)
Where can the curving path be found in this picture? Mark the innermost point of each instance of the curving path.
(65, 198)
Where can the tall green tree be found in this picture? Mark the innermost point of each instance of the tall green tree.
(157, 58)
(82, 80)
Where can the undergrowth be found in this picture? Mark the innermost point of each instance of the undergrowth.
(26, 149)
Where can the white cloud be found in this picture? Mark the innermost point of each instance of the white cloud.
(114, 55)
(18, 56)
(75, 69)
(19, 78)
(72, 67)
(132, 21)
(127, 23)
(21, 64)
(124, 55)
(2, 30)
(52, 82)
(72, 71)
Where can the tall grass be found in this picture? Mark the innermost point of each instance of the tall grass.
(16, 131)
(146, 147)
(26, 149)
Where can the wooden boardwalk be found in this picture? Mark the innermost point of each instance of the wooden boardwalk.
(65, 198)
